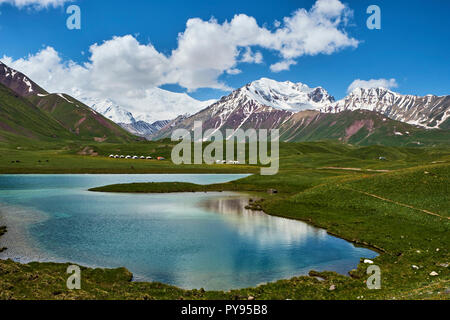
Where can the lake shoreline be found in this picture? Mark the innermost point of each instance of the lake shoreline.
(313, 275)
(3, 230)
(26, 260)
(394, 233)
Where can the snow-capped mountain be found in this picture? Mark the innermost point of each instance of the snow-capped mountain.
(262, 104)
(144, 129)
(142, 123)
(111, 110)
(429, 111)
(287, 95)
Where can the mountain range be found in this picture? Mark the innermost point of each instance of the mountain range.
(303, 114)
(365, 116)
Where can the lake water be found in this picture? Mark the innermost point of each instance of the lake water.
(191, 240)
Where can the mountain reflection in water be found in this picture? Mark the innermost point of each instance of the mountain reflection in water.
(267, 230)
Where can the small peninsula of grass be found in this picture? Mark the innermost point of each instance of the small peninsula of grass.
(157, 187)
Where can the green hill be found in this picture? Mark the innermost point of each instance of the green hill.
(79, 119)
(21, 120)
(52, 118)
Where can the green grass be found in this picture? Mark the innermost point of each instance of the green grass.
(51, 119)
(20, 120)
(383, 211)
(80, 120)
(91, 157)
(155, 187)
(69, 159)
(47, 281)
(410, 185)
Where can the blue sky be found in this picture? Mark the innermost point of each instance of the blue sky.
(412, 47)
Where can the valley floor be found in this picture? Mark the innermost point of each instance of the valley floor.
(400, 207)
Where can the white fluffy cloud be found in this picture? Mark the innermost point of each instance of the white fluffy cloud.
(282, 65)
(35, 3)
(207, 49)
(120, 65)
(123, 69)
(250, 57)
(372, 83)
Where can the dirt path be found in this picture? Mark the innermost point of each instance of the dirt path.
(354, 169)
(399, 203)
(441, 285)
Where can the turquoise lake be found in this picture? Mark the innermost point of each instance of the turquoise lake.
(191, 240)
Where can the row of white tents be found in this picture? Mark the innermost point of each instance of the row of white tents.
(227, 162)
(116, 156)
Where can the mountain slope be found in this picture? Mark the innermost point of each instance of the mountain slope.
(125, 118)
(111, 110)
(361, 127)
(429, 111)
(142, 123)
(144, 129)
(21, 119)
(18, 82)
(263, 103)
(78, 120)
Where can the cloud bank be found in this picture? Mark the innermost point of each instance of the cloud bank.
(123, 69)
(372, 83)
(38, 4)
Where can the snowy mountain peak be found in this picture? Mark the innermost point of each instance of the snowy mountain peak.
(287, 95)
(264, 103)
(429, 111)
(110, 110)
(372, 92)
(138, 118)
(367, 98)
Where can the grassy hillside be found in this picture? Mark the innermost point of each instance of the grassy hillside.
(20, 120)
(79, 119)
(93, 157)
(78, 157)
(52, 119)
